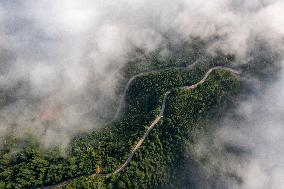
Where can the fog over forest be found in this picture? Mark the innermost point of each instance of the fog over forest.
(61, 62)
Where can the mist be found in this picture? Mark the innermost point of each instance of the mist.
(244, 149)
(61, 61)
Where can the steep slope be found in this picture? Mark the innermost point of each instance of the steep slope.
(153, 163)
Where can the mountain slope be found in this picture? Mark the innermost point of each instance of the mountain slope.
(154, 163)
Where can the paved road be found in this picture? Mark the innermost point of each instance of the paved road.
(152, 125)
(132, 79)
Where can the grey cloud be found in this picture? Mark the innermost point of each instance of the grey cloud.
(61, 59)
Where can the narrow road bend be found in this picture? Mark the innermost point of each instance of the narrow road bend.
(151, 127)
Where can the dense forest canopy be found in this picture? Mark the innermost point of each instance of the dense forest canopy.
(151, 94)
(188, 113)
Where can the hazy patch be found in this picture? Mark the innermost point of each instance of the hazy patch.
(60, 60)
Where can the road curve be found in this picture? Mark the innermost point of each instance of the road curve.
(121, 105)
(132, 79)
(152, 125)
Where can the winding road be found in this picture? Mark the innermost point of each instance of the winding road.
(154, 122)
(132, 79)
(121, 105)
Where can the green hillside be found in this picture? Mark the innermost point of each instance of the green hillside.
(155, 164)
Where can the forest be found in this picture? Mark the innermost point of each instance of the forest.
(141, 94)
(187, 114)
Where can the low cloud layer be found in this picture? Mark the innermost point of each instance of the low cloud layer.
(60, 65)
(246, 150)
